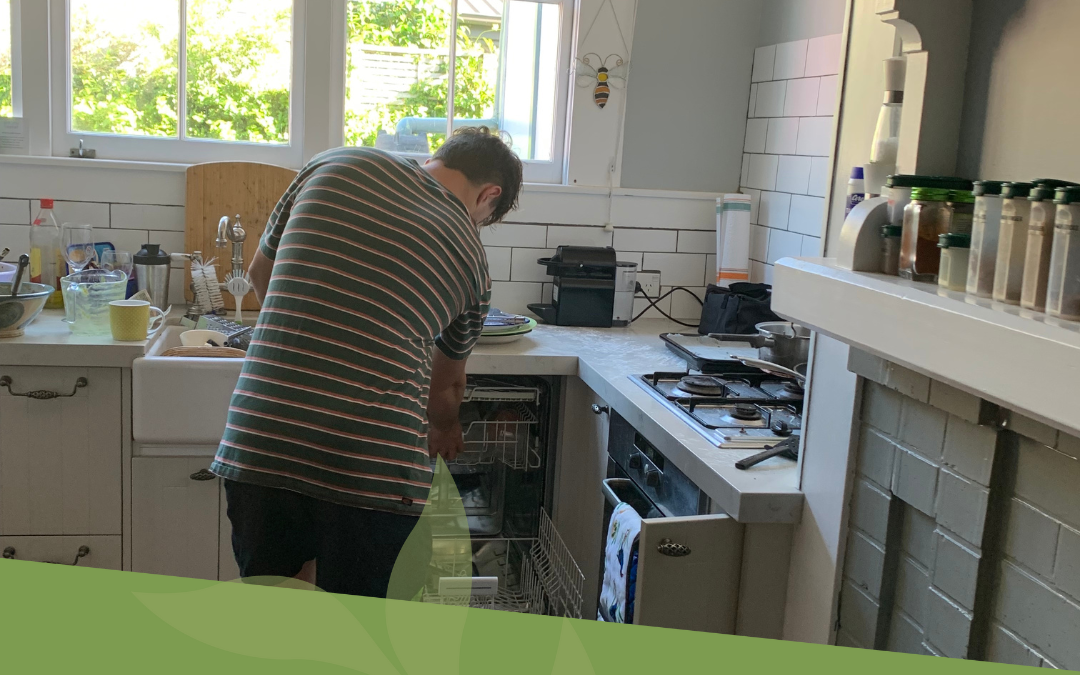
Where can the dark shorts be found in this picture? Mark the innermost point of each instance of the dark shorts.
(276, 532)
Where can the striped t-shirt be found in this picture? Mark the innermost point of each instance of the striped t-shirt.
(376, 264)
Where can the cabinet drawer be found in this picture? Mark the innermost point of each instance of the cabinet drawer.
(104, 552)
(61, 457)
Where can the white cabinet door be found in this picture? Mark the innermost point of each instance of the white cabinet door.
(581, 467)
(227, 569)
(174, 517)
(101, 552)
(60, 458)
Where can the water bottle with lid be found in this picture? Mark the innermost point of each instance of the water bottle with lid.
(46, 258)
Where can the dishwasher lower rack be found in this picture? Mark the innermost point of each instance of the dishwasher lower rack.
(533, 576)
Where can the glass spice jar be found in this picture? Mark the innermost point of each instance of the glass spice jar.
(986, 226)
(1040, 245)
(961, 206)
(891, 236)
(1063, 287)
(1012, 242)
(955, 253)
(926, 218)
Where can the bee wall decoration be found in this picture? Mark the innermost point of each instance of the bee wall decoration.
(602, 75)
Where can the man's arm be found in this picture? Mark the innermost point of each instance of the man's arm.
(259, 273)
(448, 382)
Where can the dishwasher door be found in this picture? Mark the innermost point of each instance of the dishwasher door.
(689, 568)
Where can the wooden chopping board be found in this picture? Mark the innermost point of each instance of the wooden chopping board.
(222, 189)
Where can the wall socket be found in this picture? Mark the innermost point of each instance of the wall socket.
(650, 283)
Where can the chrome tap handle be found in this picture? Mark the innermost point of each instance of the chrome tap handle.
(222, 232)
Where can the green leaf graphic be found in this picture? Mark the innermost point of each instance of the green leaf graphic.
(572, 657)
(287, 624)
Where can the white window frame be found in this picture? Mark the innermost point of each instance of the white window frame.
(179, 150)
(16, 57)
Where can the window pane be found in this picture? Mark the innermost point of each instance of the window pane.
(397, 74)
(5, 59)
(124, 66)
(508, 71)
(239, 70)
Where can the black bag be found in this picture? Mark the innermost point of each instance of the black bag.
(737, 310)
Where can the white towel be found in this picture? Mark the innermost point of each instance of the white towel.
(621, 538)
(733, 239)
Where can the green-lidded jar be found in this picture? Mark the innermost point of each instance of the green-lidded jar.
(985, 232)
(1040, 243)
(891, 236)
(955, 256)
(926, 218)
(1012, 242)
(898, 189)
(1063, 286)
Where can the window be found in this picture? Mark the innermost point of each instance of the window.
(503, 65)
(212, 78)
(7, 108)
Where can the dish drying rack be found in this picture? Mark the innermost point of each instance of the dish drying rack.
(550, 583)
(511, 442)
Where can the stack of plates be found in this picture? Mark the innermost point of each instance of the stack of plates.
(502, 328)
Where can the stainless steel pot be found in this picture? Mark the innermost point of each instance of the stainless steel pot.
(785, 344)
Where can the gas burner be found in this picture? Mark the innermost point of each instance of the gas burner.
(794, 387)
(702, 385)
(747, 413)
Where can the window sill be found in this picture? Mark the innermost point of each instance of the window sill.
(71, 162)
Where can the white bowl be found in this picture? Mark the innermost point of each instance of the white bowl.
(7, 272)
(199, 338)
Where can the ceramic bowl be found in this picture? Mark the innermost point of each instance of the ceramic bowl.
(7, 272)
(18, 313)
(199, 338)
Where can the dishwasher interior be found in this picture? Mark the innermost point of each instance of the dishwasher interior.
(513, 559)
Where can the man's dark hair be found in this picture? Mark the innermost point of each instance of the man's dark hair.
(484, 157)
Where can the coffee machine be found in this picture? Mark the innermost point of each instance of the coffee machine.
(585, 287)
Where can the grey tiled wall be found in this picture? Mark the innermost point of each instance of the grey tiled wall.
(964, 527)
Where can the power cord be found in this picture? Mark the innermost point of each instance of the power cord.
(653, 304)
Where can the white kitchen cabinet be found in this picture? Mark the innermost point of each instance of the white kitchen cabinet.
(581, 467)
(100, 552)
(175, 513)
(61, 451)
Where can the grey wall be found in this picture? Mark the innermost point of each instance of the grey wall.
(688, 94)
(1018, 119)
(790, 20)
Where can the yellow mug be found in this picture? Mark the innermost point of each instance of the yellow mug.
(131, 322)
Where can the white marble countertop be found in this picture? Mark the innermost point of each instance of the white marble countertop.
(48, 342)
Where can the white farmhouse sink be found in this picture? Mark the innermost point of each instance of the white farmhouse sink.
(181, 401)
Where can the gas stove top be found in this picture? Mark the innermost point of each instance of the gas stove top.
(743, 409)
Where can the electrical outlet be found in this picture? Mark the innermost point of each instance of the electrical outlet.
(650, 283)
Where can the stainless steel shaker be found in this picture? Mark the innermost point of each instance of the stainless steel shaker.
(152, 269)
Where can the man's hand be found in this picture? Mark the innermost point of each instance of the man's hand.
(447, 442)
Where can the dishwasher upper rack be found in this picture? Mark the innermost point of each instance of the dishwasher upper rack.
(511, 442)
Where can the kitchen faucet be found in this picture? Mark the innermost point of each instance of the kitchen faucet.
(236, 283)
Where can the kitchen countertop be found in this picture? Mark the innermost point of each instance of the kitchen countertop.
(606, 359)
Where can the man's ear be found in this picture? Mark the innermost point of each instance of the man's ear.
(490, 194)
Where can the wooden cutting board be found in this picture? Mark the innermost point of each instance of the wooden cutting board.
(222, 189)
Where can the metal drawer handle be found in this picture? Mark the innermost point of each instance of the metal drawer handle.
(43, 395)
(9, 554)
(203, 475)
(673, 550)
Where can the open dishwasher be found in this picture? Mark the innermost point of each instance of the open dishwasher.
(512, 559)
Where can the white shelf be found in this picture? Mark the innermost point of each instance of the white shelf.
(1018, 359)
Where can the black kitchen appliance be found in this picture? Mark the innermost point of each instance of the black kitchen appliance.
(584, 293)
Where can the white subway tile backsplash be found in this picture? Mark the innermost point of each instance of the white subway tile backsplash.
(811, 247)
(745, 170)
(877, 453)
(1004, 647)
(755, 202)
(793, 174)
(819, 176)
(757, 130)
(969, 448)
(770, 99)
(917, 537)
(784, 244)
(823, 56)
(515, 297)
(763, 172)
(802, 97)
(905, 636)
(961, 506)
(15, 212)
(82, 213)
(915, 481)
(955, 570)
(764, 61)
(630, 257)
(790, 60)
(828, 92)
(131, 240)
(923, 428)
(512, 234)
(753, 101)
(678, 269)
(807, 215)
(759, 243)
(865, 563)
(815, 136)
(1048, 479)
(686, 308)
(858, 613)
(1067, 567)
(15, 237)
(757, 272)
(140, 217)
(577, 236)
(775, 207)
(499, 262)
(1040, 615)
(170, 242)
(654, 241)
(783, 136)
(523, 265)
(1031, 537)
(955, 402)
(948, 626)
(641, 304)
(913, 585)
(693, 241)
(769, 274)
(712, 268)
